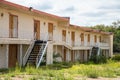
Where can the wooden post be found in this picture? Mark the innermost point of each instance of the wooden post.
(21, 56)
(7, 54)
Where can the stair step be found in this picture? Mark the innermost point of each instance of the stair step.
(32, 59)
(40, 41)
(40, 44)
(33, 54)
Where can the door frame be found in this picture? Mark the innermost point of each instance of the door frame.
(50, 31)
(65, 54)
(11, 25)
(72, 55)
(37, 34)
(64, 35)
(73, 38)
(11, 57)
(82, 38)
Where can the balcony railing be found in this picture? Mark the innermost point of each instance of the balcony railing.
(68, 41)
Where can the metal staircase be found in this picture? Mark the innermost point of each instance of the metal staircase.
(35, 53)
(95, 51)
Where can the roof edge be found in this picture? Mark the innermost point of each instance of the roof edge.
(87, 29)
(34, 10)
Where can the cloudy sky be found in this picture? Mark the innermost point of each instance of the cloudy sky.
(81, 12)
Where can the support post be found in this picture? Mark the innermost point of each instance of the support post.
(21, 56)
(56, 49)
(85, 55)
(111, 46)
(49, 56)
(7, 55)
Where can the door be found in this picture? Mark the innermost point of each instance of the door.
(64, 35)
(88, 39)
(13, 26)
(64, 54)
(73, 38)
(50, 31)
(72, 56)
(82, 39)
(12, 55)
(100, 39)
(95, 38)
(36, 29)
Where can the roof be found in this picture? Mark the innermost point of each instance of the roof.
(33, 10)
(87, 29)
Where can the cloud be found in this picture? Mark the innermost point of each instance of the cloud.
(69, 9)
(117, 6)
(94, 14)
(44, 6)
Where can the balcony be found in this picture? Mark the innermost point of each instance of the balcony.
(60, 40)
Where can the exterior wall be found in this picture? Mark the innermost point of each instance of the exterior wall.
(26, 21)
(4, 23)
(25, 24)
(3, 56)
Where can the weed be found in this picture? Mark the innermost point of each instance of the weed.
(64, 71)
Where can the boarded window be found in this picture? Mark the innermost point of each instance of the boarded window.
(37, 29)
(100, 39)
(13, 26)
(64, 35)
(95, 38)
(50, 31)
(73, 36)
(82, 36)
(88, 37)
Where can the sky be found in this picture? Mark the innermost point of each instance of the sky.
(81, 12)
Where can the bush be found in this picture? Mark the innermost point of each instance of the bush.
(98, 59)
(3, 70)
(116, 57)
(93, 74)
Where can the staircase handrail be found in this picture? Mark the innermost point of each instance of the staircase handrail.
(98, 51)
(38, 59)
(25, 58)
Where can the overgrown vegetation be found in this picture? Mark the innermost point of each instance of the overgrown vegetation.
(63, 71)
(116, 57)
(97, 59)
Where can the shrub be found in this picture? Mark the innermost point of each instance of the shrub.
(3, 70)
(116, 57)
(98, 59)
(93, 74)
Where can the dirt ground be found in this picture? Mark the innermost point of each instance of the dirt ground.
(100, 78)
(27, 77)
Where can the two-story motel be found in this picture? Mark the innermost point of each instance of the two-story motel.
(19, 25)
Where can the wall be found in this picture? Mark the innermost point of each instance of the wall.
(25, 24)
(3, 56)
(4, 23)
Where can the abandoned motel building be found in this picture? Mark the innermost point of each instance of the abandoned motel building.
(28, 35)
